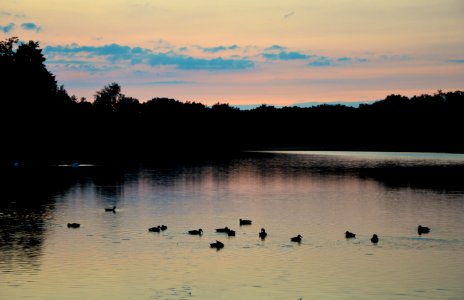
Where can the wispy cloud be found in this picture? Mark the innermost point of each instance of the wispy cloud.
(324, 61)
(395, 57)
(114, 50)
(191, 63)
(66, 62)
(351, 59)
(116, 56)
(136, 55)
(286, 16)
(82, 66)
(275, 47)
(91, 68)
(456, 61)
(7, 28)
(219, 48)
(173, 82)
(30, 26)
(283, 55)
(14, 15)
(321, 61)
(163, 45)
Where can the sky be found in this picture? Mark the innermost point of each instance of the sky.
(246, 52)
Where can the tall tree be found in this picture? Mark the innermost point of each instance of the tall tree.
(26, 84)
(106, 99)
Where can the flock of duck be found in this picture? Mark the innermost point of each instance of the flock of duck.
(218, 245)
(375, 239)
(262, 234)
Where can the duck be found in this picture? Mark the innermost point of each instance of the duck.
(296, 238)
(375, 239)
(163, 227)
(231, 232)
(218, 245)
(422, 229)
(196, 232)
(262, 234)
(245, 222)
(349, 235)
(155, 229)
(74, 225)
(113, 209)
(225, 229)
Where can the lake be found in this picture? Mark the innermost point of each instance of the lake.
(316, 194)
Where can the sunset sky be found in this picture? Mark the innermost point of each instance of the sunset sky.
(247, 52)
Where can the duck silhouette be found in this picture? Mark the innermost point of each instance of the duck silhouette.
(422, 229)
(245, 222)
(231, 232)
(74, 225)
(262, 234)
(349, 235)
(296, 238)
(196, 232)
(225, 229)
(155, 229)
(163, 227)
(218, 245)
(113, 209)
(375, 239)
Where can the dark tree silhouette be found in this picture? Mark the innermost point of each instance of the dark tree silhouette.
(33, 107)
(128, 106)
(107, 99)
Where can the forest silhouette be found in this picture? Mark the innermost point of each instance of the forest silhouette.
(41, 123)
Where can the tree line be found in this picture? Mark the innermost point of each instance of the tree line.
(41, 122)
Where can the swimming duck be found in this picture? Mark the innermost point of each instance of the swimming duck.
(296, 238)
(218, 245)
(349, 235)
(74, 225)
(163, 227)
(375, 239)
(245, 222)
(225, 229)
(196, 232)
(423, 229)
(231, 232)
(262, 234)
(113, 209)
(155, 229)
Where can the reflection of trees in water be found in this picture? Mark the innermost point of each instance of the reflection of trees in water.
(26, 207)
(28, 202)
(395, 174)
(109, 183)
(438, 178)
(21, 235)
(264, 166)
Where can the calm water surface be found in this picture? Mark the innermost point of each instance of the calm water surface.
(319, 195)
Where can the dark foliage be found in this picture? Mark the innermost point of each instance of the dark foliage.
(40, 122)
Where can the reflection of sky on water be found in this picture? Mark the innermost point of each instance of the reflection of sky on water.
(114, 255)
(380, 158)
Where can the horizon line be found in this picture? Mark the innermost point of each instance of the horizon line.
(306, 104)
